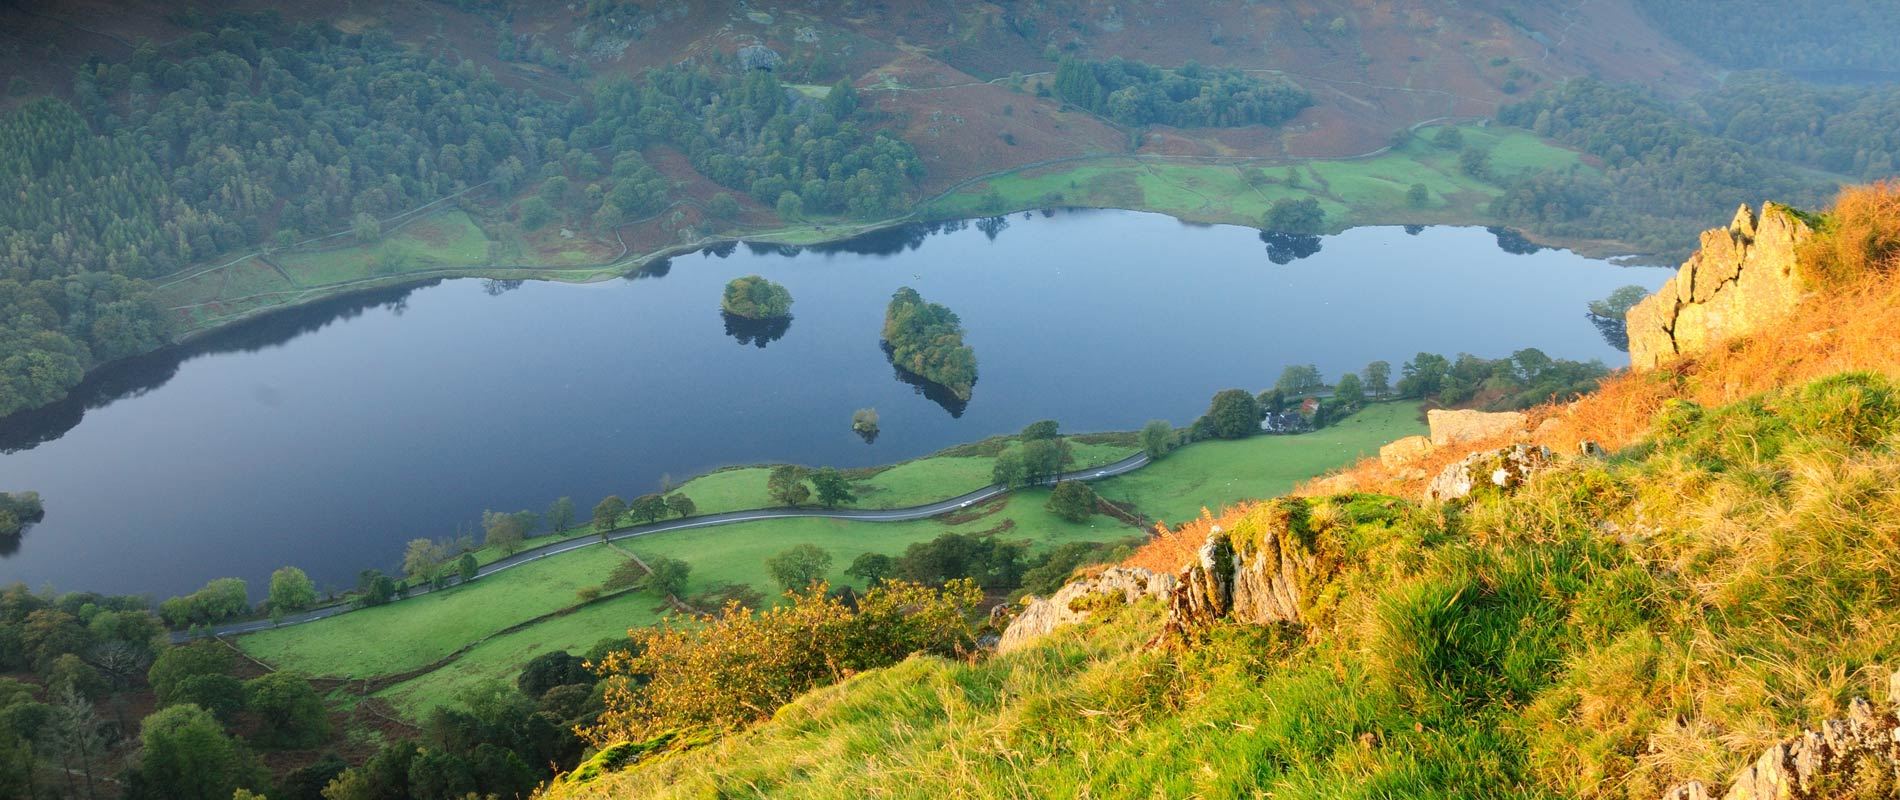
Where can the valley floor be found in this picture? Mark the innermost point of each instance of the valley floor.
(417, 654)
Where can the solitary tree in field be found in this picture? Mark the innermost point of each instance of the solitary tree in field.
(669, 576)
(1379, 378)
(503, 532)
(787, 486)
(1072, 500)
(832, 488)
(291, 590)
(1350, 391)
(1234, 414)
(607, 514)
(1157, 438)
(561, 514)
(799, 566)
(421, 558)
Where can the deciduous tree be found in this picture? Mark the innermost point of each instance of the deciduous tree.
(799, 566)
(291, 590)
(1072, 500)
(786, 485)
(1157, 438)
(832, 488)
(607, 514)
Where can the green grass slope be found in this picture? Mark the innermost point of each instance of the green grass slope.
(417, 633)
(1617, 626)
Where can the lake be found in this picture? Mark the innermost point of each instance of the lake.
(326, 437)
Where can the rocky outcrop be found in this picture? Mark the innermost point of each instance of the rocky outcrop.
(1503, 469)
(1742, 279)
(1074, 602)
(1452, 427)
(1853, 757)
(1261, 572)
(1404, 451)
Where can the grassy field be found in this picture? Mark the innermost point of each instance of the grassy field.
(446, 239)
(1213, 474)
(1352, 192)
(924, 480)
(413, 633)
(502, 657)
(732, 554)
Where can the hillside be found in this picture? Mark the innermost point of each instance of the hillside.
(1665, 609)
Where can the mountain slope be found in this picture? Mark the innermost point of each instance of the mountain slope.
(1619, 624)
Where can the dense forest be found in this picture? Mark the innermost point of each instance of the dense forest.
(1668, 168)
(1747, 34)
(745, 130)
(1853, 131)
(259, 133)
(1662, 177)
(926, 339)
(1133, 93)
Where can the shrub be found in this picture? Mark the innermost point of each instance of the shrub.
(726, 670)
(1858, 236)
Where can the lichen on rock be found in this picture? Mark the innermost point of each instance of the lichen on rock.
(1075, 601)
(1266, 570)
(1493, 470)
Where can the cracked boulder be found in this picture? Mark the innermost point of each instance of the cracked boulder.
(1742, 279)
(1499, 470)
(1264, 571)
(1077, 599)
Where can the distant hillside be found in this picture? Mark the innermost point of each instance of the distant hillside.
(1833, 39)
(1668, 615)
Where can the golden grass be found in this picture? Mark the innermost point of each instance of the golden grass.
(1849, 324)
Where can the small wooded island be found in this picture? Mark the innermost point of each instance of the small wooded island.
(754, 297)
(926, 339)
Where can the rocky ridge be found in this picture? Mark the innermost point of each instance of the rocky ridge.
(1742, 279)
(1855, 756)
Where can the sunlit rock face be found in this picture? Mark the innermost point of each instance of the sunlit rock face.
(1743, 279)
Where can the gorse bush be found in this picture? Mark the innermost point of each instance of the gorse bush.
(738, 666)
(1615, 627)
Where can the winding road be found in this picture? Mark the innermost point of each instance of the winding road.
(532, 554)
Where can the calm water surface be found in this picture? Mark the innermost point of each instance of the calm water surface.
(328, 436)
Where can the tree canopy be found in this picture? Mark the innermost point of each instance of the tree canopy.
(1134, 93)
(754, 297)
(926, 339)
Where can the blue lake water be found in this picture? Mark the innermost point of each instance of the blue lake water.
(327, 436)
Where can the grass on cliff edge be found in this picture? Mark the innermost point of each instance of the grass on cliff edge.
(1614, 628)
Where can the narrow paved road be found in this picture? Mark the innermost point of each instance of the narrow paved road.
(1126, 465)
